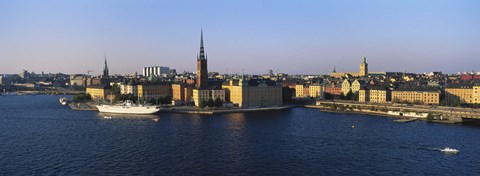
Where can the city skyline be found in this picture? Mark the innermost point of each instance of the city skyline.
(295, 38)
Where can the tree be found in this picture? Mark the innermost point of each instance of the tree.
(210, 103)
(218, 102)
(82, 97)
(202, 104)
(328, 96)
(355, 96)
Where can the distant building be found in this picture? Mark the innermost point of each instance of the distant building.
(363, 67)
(155, 71)
(316, 90)
(346, 86)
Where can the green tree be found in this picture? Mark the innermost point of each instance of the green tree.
(210, 103)
(218, 102)
(202, 104)
(82, 97)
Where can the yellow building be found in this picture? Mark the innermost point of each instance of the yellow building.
(300, 91)
(129, 88)
(99, 92)
(204, 95)
(254, 93)
(182, 92)
(363, 95)
(374, 94)
(476, 94)
(357, 85)
(416, 95)
(154, 90)
(315, 90)
(346, 86)
(456, 94)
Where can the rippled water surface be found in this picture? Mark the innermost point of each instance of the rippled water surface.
(38, 136)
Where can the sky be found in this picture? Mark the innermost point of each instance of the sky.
(295, 37)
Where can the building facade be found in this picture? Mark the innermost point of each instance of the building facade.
(99, 92)
(456, 94)
(155, 91)
(254, 93)
(155, 71)
(416, 95)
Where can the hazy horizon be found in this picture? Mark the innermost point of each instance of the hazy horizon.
(307, 37)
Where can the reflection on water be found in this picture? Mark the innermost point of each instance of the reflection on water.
(41, 137)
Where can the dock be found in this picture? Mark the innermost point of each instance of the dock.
(80, 106)
(405, 120)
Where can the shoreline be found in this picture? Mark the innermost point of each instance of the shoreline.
(378, 114)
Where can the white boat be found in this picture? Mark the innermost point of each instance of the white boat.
(63, 101)
(128, 108)
(449, 150)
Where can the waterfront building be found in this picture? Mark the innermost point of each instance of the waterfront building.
(155, 71)
(374, 94)
(379, 94)
(419, 95)
(154, 90)
(363, 95)
(254, 93)
(459, 93)
(203, 95)
(476, 94)
(99, 92)
(182, 92)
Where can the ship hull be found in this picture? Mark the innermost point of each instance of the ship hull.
(127, 109)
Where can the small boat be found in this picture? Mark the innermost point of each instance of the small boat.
(63, 101)
(107, 117)
(156, 119)
(449, 150)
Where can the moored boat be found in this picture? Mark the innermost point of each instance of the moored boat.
(128, 108)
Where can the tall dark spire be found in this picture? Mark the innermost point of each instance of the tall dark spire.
(202, 49)
(105, 68)
(202, 72)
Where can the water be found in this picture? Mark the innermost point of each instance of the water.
(38, 136)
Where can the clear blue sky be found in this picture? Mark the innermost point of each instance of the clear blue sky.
(298, 37)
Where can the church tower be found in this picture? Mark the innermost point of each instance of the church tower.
(105, 76)
(363, 67)
(202, 72)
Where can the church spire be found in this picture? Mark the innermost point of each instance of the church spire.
(202, 49)
(334, 70)
(105, 67)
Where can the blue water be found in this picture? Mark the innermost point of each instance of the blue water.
(38, 136)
